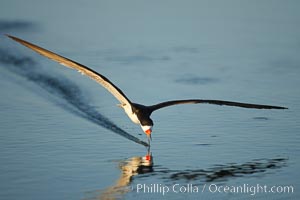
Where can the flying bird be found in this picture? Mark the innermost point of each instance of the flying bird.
(138, 113)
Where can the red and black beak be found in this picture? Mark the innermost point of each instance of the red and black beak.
(148, 133)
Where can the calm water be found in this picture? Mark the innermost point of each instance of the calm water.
(62, 137)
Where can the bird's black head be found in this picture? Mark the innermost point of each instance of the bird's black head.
(143, 113)
(146, 124)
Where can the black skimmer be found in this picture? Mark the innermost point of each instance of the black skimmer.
(138, 113)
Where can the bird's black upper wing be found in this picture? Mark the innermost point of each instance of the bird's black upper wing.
(216, 102)
(107, 84)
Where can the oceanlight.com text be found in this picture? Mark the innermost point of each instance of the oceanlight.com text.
(247, 189)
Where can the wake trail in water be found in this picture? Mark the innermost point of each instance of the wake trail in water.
(64, 89)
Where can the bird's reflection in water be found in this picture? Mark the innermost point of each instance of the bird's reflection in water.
(221, 172)
(129, 168)
(218, 173)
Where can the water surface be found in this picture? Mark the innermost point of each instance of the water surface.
(63, 137)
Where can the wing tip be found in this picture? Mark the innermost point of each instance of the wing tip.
(15, 38)
(10, 36)
(278, 107)
(283, 108)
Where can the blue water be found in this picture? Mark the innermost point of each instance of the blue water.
(62, 137)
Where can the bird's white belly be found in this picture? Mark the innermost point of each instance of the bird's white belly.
(131, 115)
(134, 118)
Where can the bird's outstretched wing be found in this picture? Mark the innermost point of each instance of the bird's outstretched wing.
(107, 84)
(217, 102)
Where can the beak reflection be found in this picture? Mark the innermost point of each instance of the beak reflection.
(129, 168)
